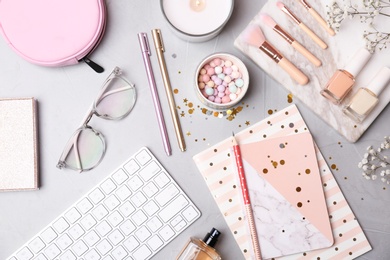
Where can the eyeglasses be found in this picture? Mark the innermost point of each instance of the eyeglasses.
(86, 148)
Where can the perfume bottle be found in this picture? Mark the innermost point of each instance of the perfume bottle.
(364, 101)
(197, 249)
(342, 81)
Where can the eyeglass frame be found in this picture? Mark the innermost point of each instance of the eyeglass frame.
(115, 73)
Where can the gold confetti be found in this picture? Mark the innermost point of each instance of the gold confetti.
(188, 133)
(190, 104)
(175, 91)
(247, 123)
(270, 112)
(290, 98)
(185, 100)
(190, 111)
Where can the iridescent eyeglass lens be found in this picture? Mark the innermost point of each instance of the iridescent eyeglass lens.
(117, 100)
(87, 150)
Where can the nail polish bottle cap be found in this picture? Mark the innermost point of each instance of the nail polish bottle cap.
(380, 81)
(358, 61)
(212, 237)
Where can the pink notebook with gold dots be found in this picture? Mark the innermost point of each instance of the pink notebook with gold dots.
(299, 208)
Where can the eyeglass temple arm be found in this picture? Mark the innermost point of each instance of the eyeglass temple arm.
(71, 143)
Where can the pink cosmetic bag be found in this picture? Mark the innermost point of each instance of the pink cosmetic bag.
(53, 33)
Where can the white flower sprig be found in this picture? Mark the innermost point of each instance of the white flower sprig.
(374, 162)
(367, 13)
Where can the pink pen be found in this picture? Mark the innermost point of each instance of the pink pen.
(144, 44)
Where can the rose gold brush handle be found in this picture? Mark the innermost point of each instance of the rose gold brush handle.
(293, 71)
(314, 36)
(321, 21)
(313, 59)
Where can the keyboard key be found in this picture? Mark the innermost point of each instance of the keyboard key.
(190, 213)
(60, 225)
(24, 254)
(103, 247)
(52, 251)
(149, 171)
(173, 208)
(150, 189)
(68, 255)
(91, 238)
(139, 217)
(142, 234)
(108, 258)
(96, 195)
(123, 192)
(115, 237)
(135, 183)
(115, 219)
(99, 212)
(167, 194)
(76, 231)
(138, 199)
(79, 248)
(111, 202)
(120, 176)
(166, 233)
(180, 225)
(131, 243)
(39, 257)
(92, 255)
(142, 253)
(119, 253)
(48, 235)
(72, 215)
(88, 222)
(161, 180)
(176, 220)
(155, 243)
(36, 245)
(64, 241)
(154, 224)
(131, 167)
(84, 205)
(151, 208)
(108, 186)
(127, 227)
(143, 157)
(103, 228)
(126, 209)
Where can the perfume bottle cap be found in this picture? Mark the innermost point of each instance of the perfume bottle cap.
(380, 81)
(356, 64)
(212, 237)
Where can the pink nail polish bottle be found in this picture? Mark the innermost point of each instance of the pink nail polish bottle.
(342, 81)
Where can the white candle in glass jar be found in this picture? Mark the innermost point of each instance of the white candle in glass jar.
(197, 20)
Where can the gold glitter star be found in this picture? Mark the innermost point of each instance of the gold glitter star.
(247, 123)
(182, 114)
(188, 133)
(185, 100)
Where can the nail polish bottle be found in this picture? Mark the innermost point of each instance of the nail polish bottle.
(342, 81)
(197, 249)
(364, 101)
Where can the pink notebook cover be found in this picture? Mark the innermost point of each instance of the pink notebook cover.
(218, 169)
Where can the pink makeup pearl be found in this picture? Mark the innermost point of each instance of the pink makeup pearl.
(212, 64)
(213, 77)
(221, 94)
(235, 74)
(238, 91)
(227, 79)
(218, 81)
(217, 61)
(234, 68)
(211, 98)
(207, 66)
(226, 99)
(217, 100)
(210, 71)
(210, 84)
(205, 78)
(215, 92)
(228, 63)
(201, 85)
(221, 88)
(227, 70)
(227, 91)
(225, 83)
(202, 71)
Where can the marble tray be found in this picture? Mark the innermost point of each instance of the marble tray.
(341, 48)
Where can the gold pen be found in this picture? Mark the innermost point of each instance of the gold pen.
(158, 43)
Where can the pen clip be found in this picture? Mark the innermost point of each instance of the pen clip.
(143, 40)
(157, 38)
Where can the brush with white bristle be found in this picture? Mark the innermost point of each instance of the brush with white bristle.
(306, 29)
(254, 36)
(294, 43)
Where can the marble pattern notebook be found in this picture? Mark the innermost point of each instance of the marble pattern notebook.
(286, 194)
(217, 167)
(340, 50)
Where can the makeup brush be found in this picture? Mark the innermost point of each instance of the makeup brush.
(318, 17)
(306, 29)
(279, 30)
(255, 37)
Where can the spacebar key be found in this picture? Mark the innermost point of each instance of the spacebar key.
(173, 208)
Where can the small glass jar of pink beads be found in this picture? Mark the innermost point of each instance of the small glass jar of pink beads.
(221, 81)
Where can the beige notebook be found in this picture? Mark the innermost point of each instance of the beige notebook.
(18, 144)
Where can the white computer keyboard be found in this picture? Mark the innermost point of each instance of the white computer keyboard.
(132, 214)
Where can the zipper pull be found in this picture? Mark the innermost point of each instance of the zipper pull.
(96, 67)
